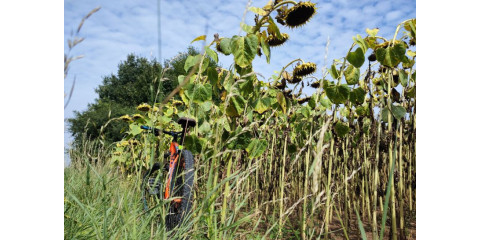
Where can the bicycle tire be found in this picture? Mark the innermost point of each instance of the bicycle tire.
(183, 175)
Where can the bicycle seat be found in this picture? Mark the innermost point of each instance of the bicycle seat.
(187, 122)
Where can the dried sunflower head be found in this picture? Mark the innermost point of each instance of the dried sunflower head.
(299, 14)
(315, 84)
(303, 100)
(126, 118)
(282, 84)
(134, 142)
(137, 116)
(287, 93)
(274, 41)
(144, 107)
(304, 69)
(295, 79)
(176, 102)
(122, 143)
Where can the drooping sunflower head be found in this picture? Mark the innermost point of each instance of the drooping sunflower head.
(126, 118)
(137, 116)
(274, 41)
(304, 69)
(281, 85)
(315, 84)
(133, 142)
(299, 14)
(176, 102)
(122, 143)
(303, 100)
(144, 107)
(287, 93)
(295, 79)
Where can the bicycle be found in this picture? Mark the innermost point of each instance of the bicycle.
(179, 179)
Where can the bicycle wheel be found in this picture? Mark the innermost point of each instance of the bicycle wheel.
(182, 180)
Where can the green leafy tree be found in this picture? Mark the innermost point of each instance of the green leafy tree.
(136, 81)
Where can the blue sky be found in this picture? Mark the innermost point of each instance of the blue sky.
(124, 27)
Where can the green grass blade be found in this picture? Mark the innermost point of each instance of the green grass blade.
(360, 226)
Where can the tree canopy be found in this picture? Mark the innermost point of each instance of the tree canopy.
(136, 81)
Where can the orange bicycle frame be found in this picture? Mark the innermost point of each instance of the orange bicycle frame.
(172, 165)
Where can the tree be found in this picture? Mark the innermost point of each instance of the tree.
(136, 81)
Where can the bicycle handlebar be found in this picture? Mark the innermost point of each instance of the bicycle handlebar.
(156, 131)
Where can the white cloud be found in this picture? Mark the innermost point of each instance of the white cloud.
(394, 15)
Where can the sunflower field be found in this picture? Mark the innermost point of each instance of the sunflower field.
(269, 163)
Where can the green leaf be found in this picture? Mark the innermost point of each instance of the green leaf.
(362, 110)
(262, 105)
(341, 129)
(338, 94)
(135, 129)
(345, 112)
(281, 100)
(398, 111)
(256, 148)
(194, 144)
(384, 114)
(189, 63)
(411, 92)
(403, 76)
(258, 11)
(241, 140)
(273, 29)
(235, 107)
(205, 62)
(244, 49)
(399, 50)
(202, 93)
(391, 56)
(204, 128)
(356, 58)
(246, 28)
(325, 102)
(357, 96)
(352, 75)
(225, 46)
(266, 49)
(361, 43)
(203, 37)
(311, 103)
(305, 111)
(333, 71)
(212, 76)
(212, 54)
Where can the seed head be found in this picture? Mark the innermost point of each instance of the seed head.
(126, 118)
(295, 79)
(299, 14)
(274, 41)
(137, 116)
(304, 69)
(144, 107)
(315, 84)
(303, 100)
